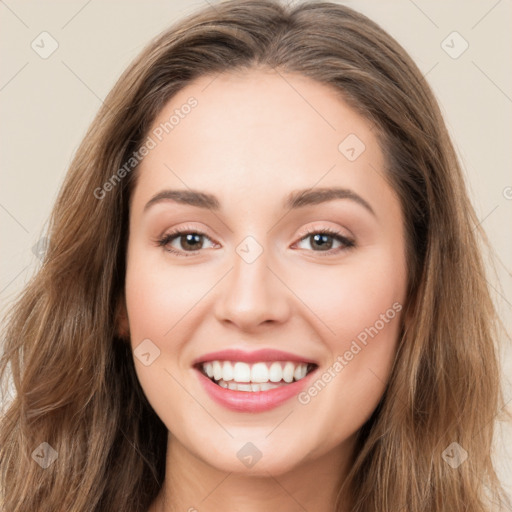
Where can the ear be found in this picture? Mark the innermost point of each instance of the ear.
(121, 319)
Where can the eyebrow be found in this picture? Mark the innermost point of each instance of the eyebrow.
(295, 199)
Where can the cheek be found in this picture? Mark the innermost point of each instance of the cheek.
(351, 298)
(159, 294)
(364, 315)
(358, 308)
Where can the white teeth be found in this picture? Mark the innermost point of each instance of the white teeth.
(227, 371)
(276, 372)
(264, 386)
(217, 370)
(257, 374)
(242, 372)
(300, 372)
(289, 368)
(208, 368)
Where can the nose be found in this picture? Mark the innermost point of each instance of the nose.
(253, 294)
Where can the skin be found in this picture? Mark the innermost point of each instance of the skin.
(254, 137)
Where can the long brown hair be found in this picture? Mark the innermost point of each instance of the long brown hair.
(73, 375)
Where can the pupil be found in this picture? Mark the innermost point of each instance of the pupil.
(191, 237)
(323, 238)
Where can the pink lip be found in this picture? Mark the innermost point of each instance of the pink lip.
(257, 401)
(262, 355)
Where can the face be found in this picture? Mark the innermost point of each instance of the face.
(258, 267)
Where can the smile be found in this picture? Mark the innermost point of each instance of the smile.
(260, 376)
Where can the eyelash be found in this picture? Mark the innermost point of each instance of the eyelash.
(169, 237)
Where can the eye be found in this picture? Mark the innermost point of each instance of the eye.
(190, 241)
(325, 239)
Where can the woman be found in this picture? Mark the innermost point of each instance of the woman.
(329, 343)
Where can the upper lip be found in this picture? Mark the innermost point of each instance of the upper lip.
(263, 355)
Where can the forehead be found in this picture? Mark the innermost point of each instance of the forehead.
(257, 133)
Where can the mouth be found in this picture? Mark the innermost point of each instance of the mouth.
(254, 377)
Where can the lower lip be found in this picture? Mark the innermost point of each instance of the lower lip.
(252, 401)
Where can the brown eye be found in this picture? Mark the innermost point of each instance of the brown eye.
(323, 241)
(187, 241)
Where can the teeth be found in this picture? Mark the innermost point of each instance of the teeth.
(288, 370)
(264, 386)
(241, 372)
(228, 372)
(217, 370)
(275, 373)
(299, 373)
(254, 374)
(208, 369)
(259, 372)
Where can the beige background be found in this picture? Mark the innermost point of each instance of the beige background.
(47, 104)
